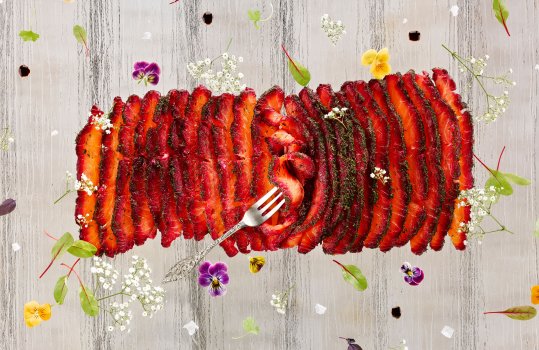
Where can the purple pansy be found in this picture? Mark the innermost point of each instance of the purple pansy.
(146, 72)
(414, 275)
(213, 276)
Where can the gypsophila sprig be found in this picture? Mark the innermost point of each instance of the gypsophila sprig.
(101, 121)
(85, 184)
(105, 274)
(224, 81)
(5, 139)
(333, 29)
(337, 114)
(279, 300)
(380, 174)
(496, 105)
(70, 186)
(121, 315)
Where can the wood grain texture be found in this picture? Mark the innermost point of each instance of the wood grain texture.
(64, 83)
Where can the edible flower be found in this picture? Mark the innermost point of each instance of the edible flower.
(378, 61)
(34, 313)
(256, 263)
(535, 295)
(213, 276)
(146, 72)
(413, 275)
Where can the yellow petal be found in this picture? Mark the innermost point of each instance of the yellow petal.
(535, 295)
(368, 57)
(45, 311)
(33, 321)
(256, 263)
(382, 56)
(31, 315)
(380, 70)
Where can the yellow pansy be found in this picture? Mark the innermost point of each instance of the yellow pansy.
(256, 263)
(34, 313)
(378, 61)
(535, 295)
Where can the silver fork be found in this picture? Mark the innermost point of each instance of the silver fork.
(252, 217)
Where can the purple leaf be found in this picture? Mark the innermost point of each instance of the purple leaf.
(354, 347)
(7, 206)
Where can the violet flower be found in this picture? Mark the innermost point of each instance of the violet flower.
(414, 275)
(146, 72)
(213, 276)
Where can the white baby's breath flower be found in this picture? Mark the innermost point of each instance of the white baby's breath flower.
(379, 174)
(333, 29)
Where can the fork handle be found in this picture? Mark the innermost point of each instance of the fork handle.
(228, 233)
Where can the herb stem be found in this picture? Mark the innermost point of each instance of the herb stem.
(52, 261)
(113, 295)
(500, 159)
(80, 281)
(502, 227)
(241, 336)
(61, 197)
(50, 236)
(270, 15)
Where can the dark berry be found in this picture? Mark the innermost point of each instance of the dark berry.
(396, 312)
(414, 35)
(24, 71)
(207, 17)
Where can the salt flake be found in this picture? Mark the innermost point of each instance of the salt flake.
(191, 327)
(16, 246)
(320, 309)
(147, 36)
(448, 331)
(54, 132)
(454, 10)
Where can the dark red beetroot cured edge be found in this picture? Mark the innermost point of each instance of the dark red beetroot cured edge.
(436, 192)
(244, 106)
(196, 207)
(446, 86)
(381, 209)
(312, 225)
(177, 166)
(450, 142)
(211, 184)
(415, 146)
(398, 166)
(122, 222)
(107, 180)
(140, 209)
(88, 150)
(224, 162)
(314, 108)
(347, 168)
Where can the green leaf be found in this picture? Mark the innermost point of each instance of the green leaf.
(254, 15)
(536, 232)
(517, 180)
(521, 313)
(501, 13)
(88, 302)
(28, 35)
(62, 245)
(301, 74)
(250, 326)
(353, 275)
(60, 290)
(82, 249)
(80, 34)
(500, 182)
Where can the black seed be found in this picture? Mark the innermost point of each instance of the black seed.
(396, 312)
(24, 71)
(414, 35)
(207, 17)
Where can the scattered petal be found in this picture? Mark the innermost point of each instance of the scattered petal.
(16, 247)
(454, 10)
(54, 132)
(405, 20)
(191, 327)
(147, 36)
(320, 309)
(256, 263)
(448, 331)
(537, 67)
(7, 206)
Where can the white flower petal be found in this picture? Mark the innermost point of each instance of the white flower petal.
(320, 309)
(191, 327)
(16, 246)
(454, 10)
(448, 331)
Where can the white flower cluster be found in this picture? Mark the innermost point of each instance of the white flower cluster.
(333, 29)
(479, 200)
(83, 220)
(101, 122)
(122, 316)
(380, 174)
(336, 113)
(85, 184)
(280, 301)
(105, 273)
(224, 81)
(402, 346)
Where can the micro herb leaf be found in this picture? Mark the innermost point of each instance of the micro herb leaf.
(254, 16)
(300, 74)
(250, 326)
(517, 180)
(536, 231)
(80, 34)
(62, 245)
(60, 290)
(88, 302)
(82, 249)
(501, 13)
(500, 182)
(520, 313)
(28, 35)
(353, 275)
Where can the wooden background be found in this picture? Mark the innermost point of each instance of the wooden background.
(64, 83)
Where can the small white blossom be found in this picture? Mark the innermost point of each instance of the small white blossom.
(279, 301)
(380, 174)
(84, 184)
(121, 314)
(104, 272)
(479, 200)
(101, 121)
(224, 81)
(333, 29)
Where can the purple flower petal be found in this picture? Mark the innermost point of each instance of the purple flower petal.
(203, 268)
(152, 68)
(217, 291)
(205, 279)
(222, 277)
(138, 74)
(153, 78)
(217, 267)
(406, 267)
(7, 206)
(408, 279)
(418, 275)
(140, 65)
